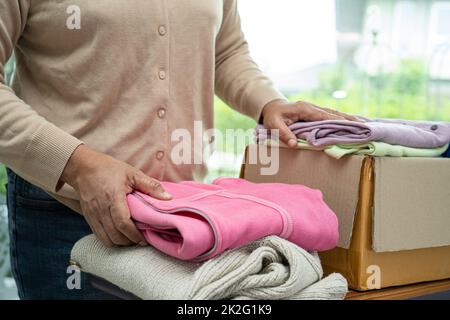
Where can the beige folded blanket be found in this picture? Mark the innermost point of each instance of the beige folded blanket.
(267, 269)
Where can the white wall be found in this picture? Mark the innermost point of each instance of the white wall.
(287, 36)
(410, 29)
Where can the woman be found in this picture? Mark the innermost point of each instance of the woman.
(99, 87)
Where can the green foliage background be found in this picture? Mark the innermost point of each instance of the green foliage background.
(2, 179)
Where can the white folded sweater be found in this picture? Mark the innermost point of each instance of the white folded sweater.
(267, 269)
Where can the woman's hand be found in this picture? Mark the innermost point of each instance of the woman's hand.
(103, 183)
(281, 114)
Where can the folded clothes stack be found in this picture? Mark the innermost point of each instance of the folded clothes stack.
(267, 269)
(379, 137)
(232, 239)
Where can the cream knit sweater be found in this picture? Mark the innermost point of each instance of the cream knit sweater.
(119, 76)
(267, 269)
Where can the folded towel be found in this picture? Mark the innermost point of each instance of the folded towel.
(204, 220)
(381, 149)
(414, 134)
(375, 149)
(268, 269)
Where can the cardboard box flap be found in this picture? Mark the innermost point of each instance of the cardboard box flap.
(337, 179)
(411, 204)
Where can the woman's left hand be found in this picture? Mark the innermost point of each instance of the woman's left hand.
(281, 114)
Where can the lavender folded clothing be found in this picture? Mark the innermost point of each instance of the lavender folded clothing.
(414, 134)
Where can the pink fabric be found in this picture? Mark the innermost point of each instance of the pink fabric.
(204, 220)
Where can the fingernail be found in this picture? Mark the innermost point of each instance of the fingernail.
(143, 244)
(292, 143)
(166, 195)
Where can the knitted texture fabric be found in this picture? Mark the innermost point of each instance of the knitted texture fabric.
(268, 269)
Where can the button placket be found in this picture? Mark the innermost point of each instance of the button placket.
(162, 73)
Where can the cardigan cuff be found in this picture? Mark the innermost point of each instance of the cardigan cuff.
(47, 155)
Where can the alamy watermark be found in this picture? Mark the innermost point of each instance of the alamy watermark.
(73, 21)
(73, 281)
(194, 148)
(373, 282)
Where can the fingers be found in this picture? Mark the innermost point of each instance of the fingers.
(113, 231)
(121, 219)
(285, 134)
(103, 185)
(338, 113)
(313, 113)
(98, 230)
(281, 116)
(150, 186)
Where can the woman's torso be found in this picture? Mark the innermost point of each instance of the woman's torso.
(122, 75)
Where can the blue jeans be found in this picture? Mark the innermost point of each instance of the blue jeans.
(42, 233)
(447, 153)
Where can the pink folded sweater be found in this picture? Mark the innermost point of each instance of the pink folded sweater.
(204, 220)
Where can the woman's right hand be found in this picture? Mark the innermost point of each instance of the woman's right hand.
(103, 183)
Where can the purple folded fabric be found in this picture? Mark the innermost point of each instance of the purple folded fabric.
(414, 134)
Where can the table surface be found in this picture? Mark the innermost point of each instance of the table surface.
(439, 290)
(427, 290)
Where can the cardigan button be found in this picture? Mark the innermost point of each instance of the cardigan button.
(160, 155)
(162, 74)
(162, 30)
(161, 113)
(434, 127)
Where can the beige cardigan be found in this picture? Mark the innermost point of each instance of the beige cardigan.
(119, 76)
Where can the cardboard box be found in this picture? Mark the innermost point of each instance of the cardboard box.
(394, 213)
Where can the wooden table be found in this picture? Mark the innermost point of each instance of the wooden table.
(430, 290)
(427, 290)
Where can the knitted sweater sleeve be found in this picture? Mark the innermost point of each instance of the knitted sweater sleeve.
(31, 146)
(238, 80)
